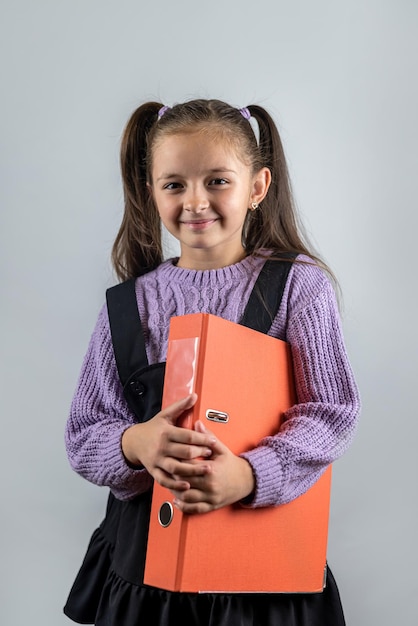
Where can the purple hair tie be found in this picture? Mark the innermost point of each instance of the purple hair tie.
(163, 110)
(245, 112)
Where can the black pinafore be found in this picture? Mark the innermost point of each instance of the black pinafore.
(109, 589)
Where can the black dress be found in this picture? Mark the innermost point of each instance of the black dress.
(109, 589)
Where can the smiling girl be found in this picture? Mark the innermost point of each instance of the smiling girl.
(203, 192)
(199, 170)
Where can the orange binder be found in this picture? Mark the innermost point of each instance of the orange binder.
(243, 379)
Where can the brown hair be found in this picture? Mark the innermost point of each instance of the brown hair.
(274, 226)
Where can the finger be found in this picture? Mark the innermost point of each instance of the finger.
(174, 483)
(192, 509)
(190, 471)
(200, 427)
(193, 496)
(197, 505)
(216, 445)
(173, 412)
(189, 451)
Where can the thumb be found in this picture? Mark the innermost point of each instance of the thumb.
(217, 446)
(175, 410)
(200, 427)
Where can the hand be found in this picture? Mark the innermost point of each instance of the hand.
(229, 479)
(166, 450)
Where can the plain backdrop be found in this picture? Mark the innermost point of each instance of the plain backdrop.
(340, 78)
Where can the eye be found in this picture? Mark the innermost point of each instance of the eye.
(218, 181)
(172, 186)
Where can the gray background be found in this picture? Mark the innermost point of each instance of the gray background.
(341, 80)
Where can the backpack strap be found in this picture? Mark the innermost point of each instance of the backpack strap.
(126, 329)
(266, 296)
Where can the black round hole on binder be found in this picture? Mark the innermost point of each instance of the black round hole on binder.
(165, 514)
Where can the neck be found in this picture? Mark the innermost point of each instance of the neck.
(201, 260)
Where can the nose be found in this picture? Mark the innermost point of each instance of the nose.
(195, 201)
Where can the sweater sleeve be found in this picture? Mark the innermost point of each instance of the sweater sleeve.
(320, 427)
(98, 417)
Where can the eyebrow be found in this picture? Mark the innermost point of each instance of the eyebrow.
(216, 170)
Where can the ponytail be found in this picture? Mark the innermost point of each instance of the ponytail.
(274, 226)
(137, 247)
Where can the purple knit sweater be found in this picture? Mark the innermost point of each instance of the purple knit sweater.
(315, 432)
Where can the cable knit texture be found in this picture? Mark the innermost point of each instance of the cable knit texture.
(315, 431)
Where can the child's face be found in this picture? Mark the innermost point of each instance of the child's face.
(203, 191)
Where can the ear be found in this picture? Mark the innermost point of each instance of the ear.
(149, 188)
(260, 186)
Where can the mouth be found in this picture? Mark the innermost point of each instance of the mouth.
(198, 225)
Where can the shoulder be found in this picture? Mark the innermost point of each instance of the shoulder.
(100, 340)
(307, 283)
(98, 363)
(156, 280)
(162, 271)
(308, 296)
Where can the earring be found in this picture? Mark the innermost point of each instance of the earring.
(254, 206)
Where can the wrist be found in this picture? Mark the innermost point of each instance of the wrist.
(249, 482)
(128, 439)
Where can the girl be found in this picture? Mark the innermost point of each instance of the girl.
(199, 169)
